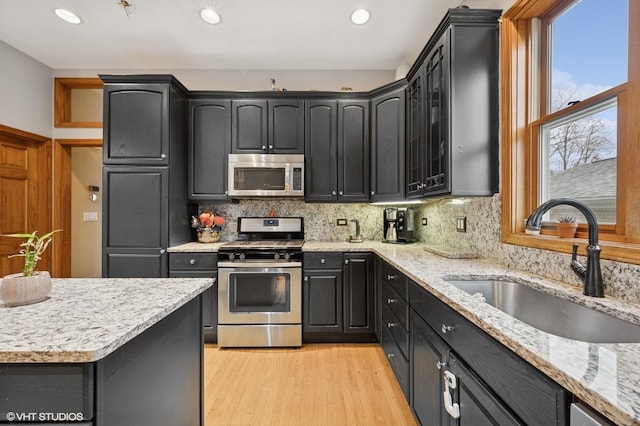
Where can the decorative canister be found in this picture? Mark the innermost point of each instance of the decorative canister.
(208, 235)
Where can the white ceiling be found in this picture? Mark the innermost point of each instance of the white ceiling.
(253, 34)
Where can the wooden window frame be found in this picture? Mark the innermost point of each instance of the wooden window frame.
(62, 101)
(521, 108)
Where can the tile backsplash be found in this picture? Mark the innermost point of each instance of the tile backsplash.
(483, 216)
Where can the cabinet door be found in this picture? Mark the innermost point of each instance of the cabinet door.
(353, 151)
(428, 356)
(478, 406)
(249, 126)
(436, 125)
(321, 151)
(135, 229)
(322, 301)
(136, 121)
(388, 146)
(286, 126)
(209, 146)
(415, 141)
(358, 293)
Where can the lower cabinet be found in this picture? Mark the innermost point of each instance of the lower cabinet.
(338, 297)
(200, 265)
(461, 375)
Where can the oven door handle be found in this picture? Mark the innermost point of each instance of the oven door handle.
(253, 265)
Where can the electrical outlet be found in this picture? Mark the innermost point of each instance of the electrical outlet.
(461, 224)
(89, 216)
(341, 222)
(424, 221)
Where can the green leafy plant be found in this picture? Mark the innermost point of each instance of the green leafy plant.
(32, 249)
(567, 219)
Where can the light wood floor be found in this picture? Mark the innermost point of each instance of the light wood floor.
(318, 384)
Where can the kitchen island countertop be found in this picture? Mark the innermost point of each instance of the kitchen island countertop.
(84, 320)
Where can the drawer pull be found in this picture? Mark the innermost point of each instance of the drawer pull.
(391, 324)
(390, 301)
(322, 260)
(192, 262)
(446, 328)
(391, 277)
(306, 279)
(440, 365)
(391, 356)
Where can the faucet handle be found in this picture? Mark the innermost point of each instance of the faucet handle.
(577, 267)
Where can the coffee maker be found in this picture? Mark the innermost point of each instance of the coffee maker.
(398, 225)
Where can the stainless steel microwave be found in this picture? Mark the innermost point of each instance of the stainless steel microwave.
(266, 175)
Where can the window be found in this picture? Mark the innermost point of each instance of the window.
(571, 72)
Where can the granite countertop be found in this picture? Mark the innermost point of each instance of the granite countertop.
(84, 320)
(605, 376)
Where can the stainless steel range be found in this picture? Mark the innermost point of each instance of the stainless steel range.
(260, 284)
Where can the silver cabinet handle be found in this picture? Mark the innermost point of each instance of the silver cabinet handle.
(391, 355)
(162, 251)
(446, 328)
(333, 192)
(163, 156)
(306, 279)
(323, 260)
(341, 193)
(440, 365)
(390, 301)
(391, 324)
(346, 261)
(270, 146)
(192, 262)
(373, 192)
(391, 277)
(264, 147)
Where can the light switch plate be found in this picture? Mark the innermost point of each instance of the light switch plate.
(341, 222)
(461, 224)
(90, 216)
(424, 221)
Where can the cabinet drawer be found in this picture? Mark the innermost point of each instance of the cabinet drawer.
(396, 330)
(538, 400)
(398, 362)
(321, 260)
(193, 261)
(395, 279)
(392, 300)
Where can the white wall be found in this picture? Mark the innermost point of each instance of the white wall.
(260, 79)
(26, 92)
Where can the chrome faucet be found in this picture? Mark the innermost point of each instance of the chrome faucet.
(590, 274)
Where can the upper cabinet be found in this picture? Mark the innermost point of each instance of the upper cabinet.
(337, 150)
(261, 126)
(388, 144)
(136, 124)
(209, 146)
(452, 109)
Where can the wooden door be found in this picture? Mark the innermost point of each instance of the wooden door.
(25, 194)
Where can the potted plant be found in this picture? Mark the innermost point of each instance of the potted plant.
(567, 226)
(28, 286)
(208, 224)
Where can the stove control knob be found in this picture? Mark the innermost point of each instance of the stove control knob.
(276, 256)
(241, 256)
(287, 256)
(232, 256)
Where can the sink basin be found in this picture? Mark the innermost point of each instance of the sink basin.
(550, 313)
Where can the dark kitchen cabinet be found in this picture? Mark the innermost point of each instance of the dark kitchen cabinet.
(145, 206)
(359, 296)
(273, 126)
(322, 294)
(493, 385)
(388, 144)
(337, 150)
(394, 329)
(338, 297)
(209, 146)
(200, 265)
(452, 109)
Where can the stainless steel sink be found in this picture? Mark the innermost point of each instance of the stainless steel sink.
(550, 313)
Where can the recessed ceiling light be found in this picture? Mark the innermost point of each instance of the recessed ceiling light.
(67, 16)
(210, 16)
(360, 16)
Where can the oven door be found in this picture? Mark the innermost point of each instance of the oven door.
(259, 293)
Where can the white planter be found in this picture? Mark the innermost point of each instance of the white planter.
(17, 290)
